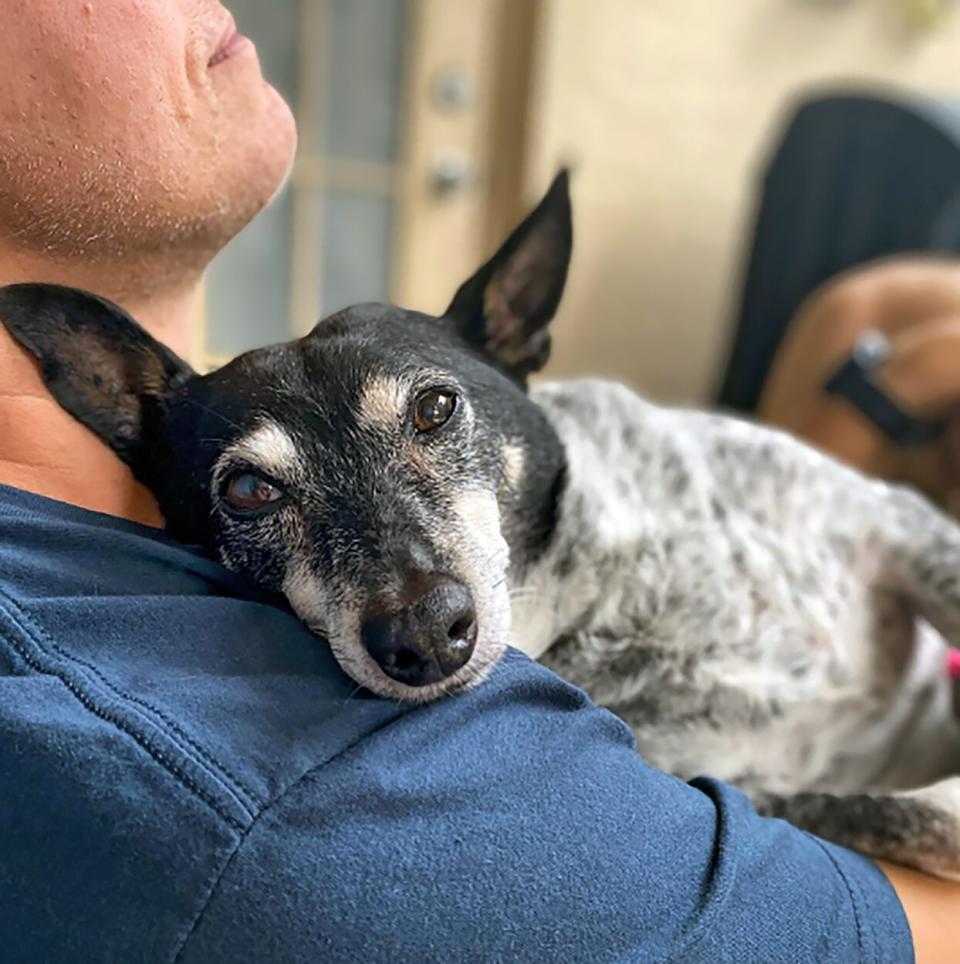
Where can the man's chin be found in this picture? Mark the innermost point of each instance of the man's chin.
(274, 148)
(261, 129)
(260, 164)
(284, 138)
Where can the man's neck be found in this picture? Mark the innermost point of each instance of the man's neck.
(42, 448)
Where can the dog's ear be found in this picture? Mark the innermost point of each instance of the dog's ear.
(98, 363)
(505, 307)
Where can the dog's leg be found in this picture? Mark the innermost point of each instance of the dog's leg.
(924, 554)
(925, 561)
(918, 828)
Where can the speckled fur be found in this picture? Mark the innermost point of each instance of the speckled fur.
(756, 611)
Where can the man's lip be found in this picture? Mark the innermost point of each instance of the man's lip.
(231, 43)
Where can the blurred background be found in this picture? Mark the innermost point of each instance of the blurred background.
(428, 126)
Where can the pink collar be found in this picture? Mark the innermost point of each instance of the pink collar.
(953, 663)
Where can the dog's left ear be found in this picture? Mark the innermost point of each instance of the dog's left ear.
(505, 307)
(98, 363)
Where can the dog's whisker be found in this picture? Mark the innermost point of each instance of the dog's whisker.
(353, 692)
(223, 418)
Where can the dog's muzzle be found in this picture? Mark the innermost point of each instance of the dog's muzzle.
(427, 640)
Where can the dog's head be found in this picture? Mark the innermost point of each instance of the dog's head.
(382, 472)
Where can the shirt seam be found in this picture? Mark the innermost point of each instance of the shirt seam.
(29, 629)
(722, 888)
(854, 903)
(290, 788)
(236, 785)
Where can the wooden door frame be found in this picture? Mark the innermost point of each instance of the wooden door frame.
(496, 42)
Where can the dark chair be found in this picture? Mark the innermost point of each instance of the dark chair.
(852, 178)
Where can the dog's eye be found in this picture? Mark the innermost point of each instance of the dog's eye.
(433, 408)
(247, 492)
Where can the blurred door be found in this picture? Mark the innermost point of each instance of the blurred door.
(400, 171)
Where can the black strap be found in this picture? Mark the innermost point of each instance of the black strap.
(853, 383)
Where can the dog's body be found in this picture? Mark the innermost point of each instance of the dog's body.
(757, 611)
(754, 610)
(709, 573)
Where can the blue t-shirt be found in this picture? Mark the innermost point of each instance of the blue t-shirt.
(185, 774)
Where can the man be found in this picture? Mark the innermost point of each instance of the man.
(185, 773)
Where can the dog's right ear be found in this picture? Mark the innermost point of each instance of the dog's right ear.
(97, 362)
(504, 309)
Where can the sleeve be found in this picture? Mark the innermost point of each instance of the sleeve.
(518, 823)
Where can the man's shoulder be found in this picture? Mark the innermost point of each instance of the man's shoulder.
(224, 688)
(151, 710)
(158, 717)
(185, 770)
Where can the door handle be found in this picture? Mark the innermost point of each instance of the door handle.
(451, 172)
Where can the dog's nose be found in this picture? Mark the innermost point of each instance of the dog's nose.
(428, 640)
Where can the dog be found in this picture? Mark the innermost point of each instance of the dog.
(753, 609)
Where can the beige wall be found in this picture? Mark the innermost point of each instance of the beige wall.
(664, 106)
